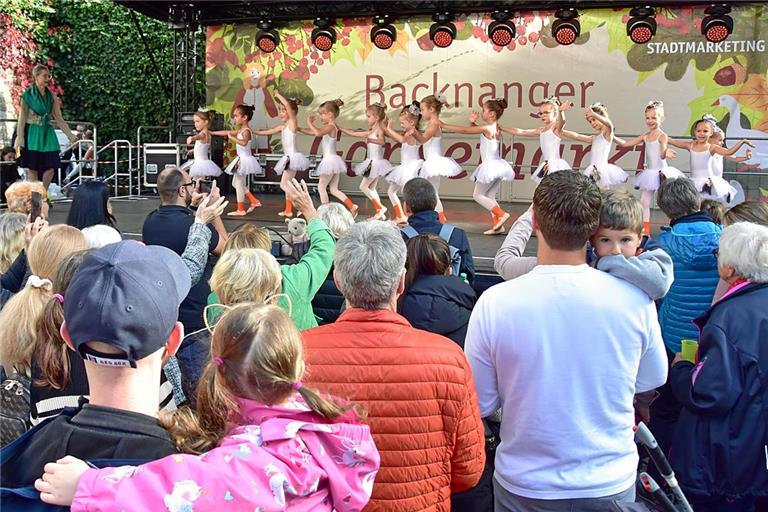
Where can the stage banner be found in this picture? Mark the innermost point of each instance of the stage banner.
(691, 76)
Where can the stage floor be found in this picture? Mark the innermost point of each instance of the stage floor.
(468, 215)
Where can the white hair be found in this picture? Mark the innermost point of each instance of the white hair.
(338, 218)
(369, 264)
(99, 235)
(744, 246)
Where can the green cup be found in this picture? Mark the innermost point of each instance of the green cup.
(689, 349)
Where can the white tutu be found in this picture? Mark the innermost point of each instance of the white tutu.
(204, 168)
(440, 166)
(648, 179)
(244, 165)
(331, 164)
(553, 165)
(404, 173)
(720, 189)
(292, 162)
(378, 167)
(493, 170)
(608, 175)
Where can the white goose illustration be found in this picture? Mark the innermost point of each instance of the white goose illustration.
(735, 132)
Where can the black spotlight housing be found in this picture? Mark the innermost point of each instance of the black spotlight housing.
(566, 27)
(324, 35)
(641, 26)
(501, 31)
(383, 34)
(267, 39)
(443, 31)
(717, 25)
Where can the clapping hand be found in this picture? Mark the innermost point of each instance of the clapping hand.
(209, 209)
(298, 194)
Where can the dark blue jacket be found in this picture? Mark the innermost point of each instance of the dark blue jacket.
(428, 222)
(721, 437)
(691, 242)
(439, 304)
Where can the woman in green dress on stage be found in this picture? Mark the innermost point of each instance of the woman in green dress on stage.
(36, 140)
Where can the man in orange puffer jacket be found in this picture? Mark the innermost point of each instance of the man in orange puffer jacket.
(416, 386)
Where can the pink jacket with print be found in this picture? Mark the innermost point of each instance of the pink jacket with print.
(280, 458)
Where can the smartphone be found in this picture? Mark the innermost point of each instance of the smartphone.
(37, 206)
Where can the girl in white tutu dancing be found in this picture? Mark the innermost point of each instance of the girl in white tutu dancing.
(375, 165)
(493, 169)
(292, 160)
(410, 163)
(605, 174)
(245, 163)
(201, 166)
(331, 165)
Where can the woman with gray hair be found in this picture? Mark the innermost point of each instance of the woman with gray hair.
(719, 451)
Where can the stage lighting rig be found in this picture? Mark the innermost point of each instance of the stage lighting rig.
(641, 26)
(566, 27)
(717, 25)
(267, 39)
(383, 34)
(443, 31)
(501, 31)
(324, 35)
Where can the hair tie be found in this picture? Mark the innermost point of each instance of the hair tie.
(203, 109)
(297, 385)
(378, 104)
(219, 361)
(440, 97)
(37, 282)
(59, 297)
(655, 104)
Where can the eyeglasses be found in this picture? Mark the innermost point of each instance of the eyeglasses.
(190, 184)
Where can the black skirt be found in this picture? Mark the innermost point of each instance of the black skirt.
(39, 160)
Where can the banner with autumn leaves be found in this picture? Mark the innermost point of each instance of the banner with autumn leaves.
(728, 81)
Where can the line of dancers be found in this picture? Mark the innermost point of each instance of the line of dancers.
(706, 153)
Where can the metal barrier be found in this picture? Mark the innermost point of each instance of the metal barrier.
(117, 145)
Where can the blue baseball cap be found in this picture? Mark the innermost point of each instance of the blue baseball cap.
(126, 295)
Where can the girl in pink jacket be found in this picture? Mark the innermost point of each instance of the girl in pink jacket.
(274, 444)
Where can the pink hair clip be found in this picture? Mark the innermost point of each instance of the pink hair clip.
(296, 385)
(219, 361)
(59, 297)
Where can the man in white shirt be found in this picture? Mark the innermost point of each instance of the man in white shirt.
(562, 350)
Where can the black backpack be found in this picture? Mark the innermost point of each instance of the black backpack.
(14, 413)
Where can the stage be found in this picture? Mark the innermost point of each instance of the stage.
(468, 215)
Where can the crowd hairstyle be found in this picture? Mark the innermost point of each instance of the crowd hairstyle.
(379, 109)
(19, 195)
(246, 275)
(19, 317)
(678, 197)
(748, 211)
(206, 114)
(332, 106)
(715, 209)
(656, 105)
(744, 247)
(89, 206)
(6, 150)
(413, 112)
(599, 108)
(246, 110)
(428, 254)
(11, 238)
(50, 348)
(419, 194)
(39, 68)
(497, 106)
(621, 210)
(257, 353)
(566, 207)
(435, 101)
(168, 183)
(336, 217)
(248, 236)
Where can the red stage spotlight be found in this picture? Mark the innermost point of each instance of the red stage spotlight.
(268, 38)
(442, 32)
(641, 27)
(717, 25)
(324, 36)
(501, 31)
(566, 27)
(383, 35)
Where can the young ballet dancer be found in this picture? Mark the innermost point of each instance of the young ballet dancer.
(605, 174)
(331, 165)
(701, 153)
(292, 160)
(436, 165)
(245, 163)
(410, 163)
(375, 165)
(259, 440)
(201, 166)
(552, 116)
(655, 167)
(493, 169)
(718, 139)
